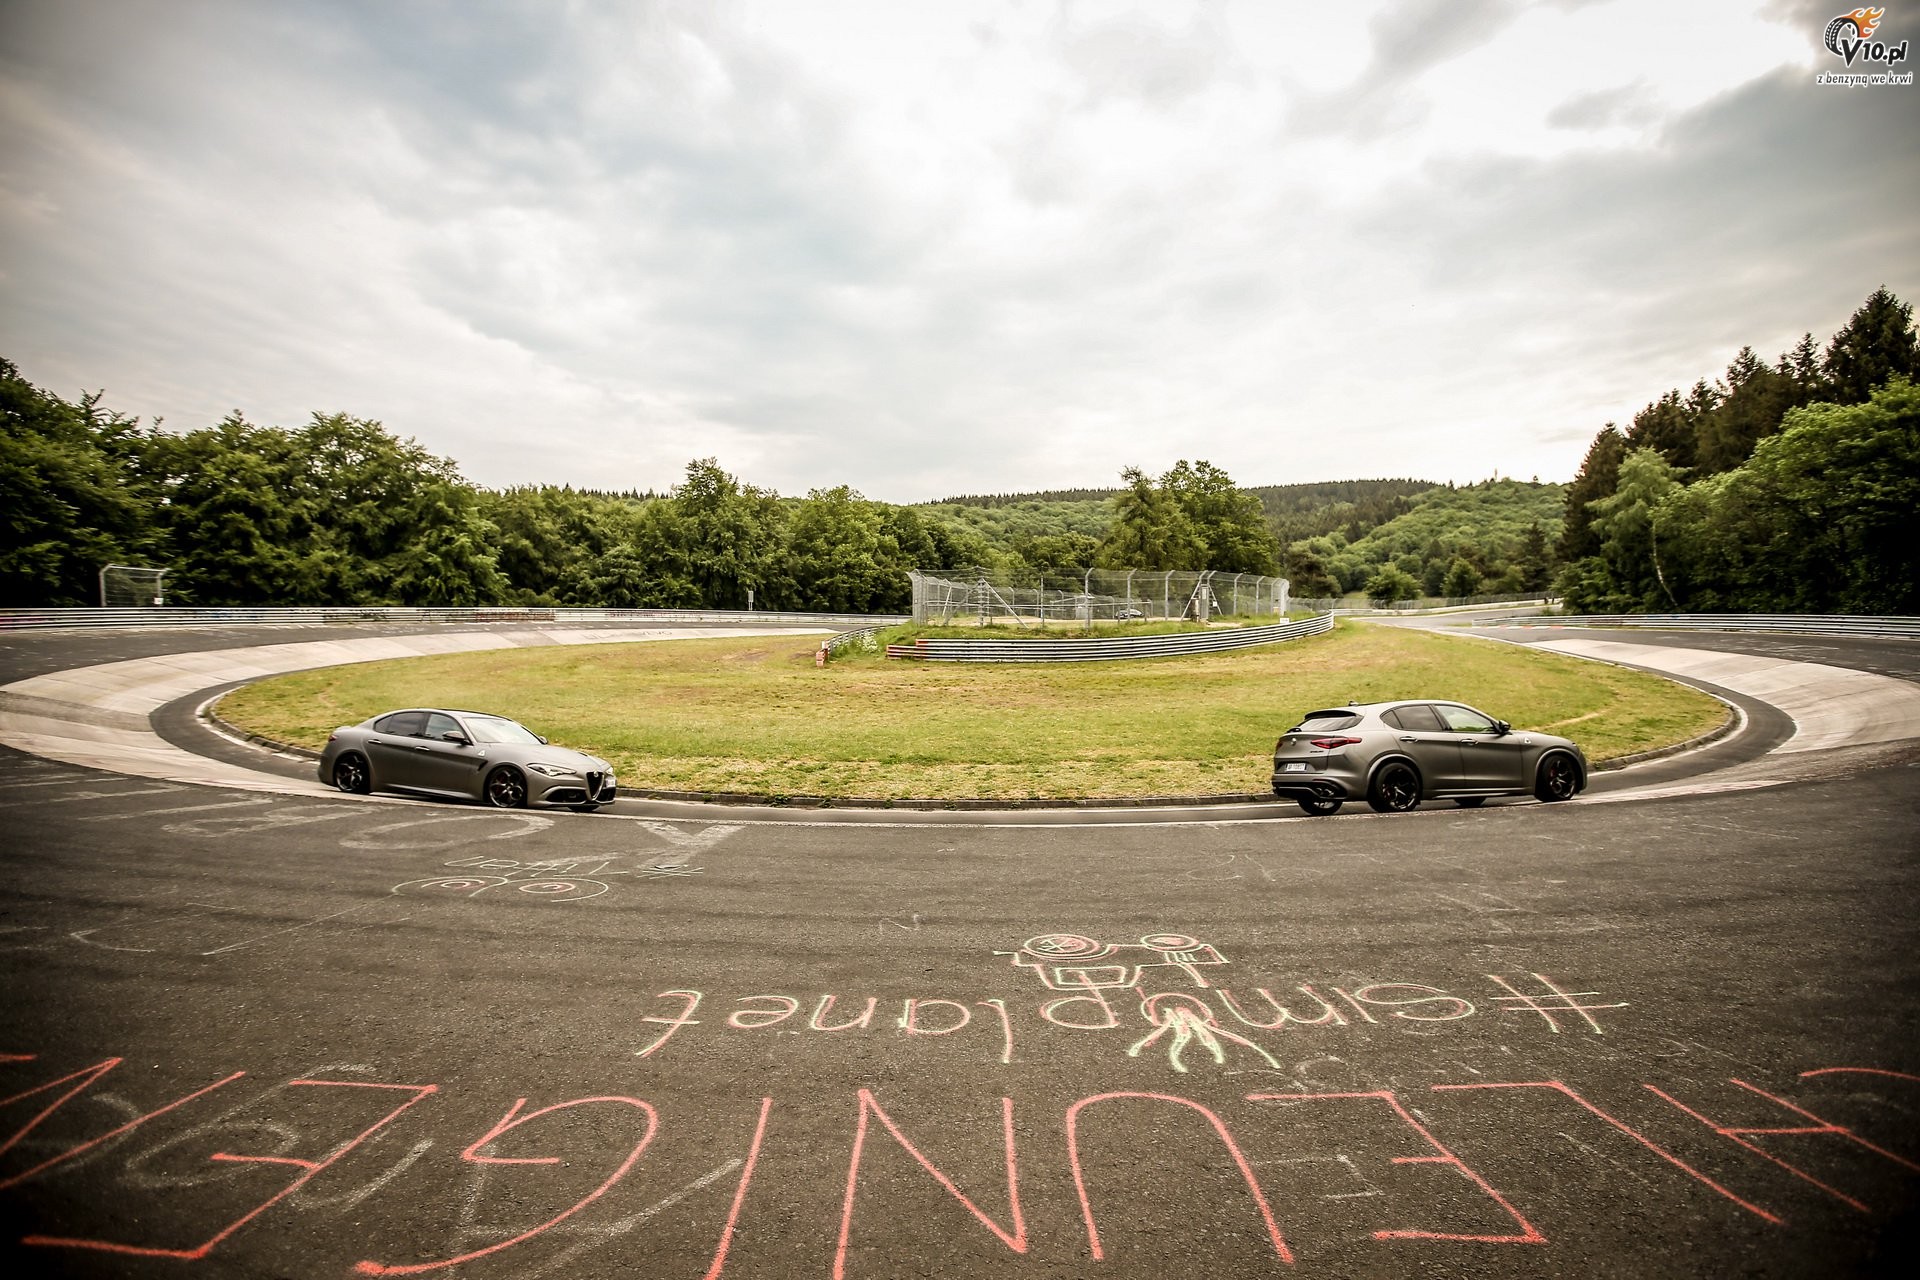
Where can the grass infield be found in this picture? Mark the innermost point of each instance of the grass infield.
(754, 714)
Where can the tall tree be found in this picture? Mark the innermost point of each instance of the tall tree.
(1599, 473)
(73, 495)
(1150, 529)
(1876, 344)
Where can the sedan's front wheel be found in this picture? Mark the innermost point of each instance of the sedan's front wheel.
(1395, 789)
(350, 774)
(506, 788)
(1558, 778)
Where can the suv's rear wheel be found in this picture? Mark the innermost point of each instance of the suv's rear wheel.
(1395, 788)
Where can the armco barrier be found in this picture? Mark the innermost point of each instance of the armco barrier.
(217, 616)
(1800, 623)
(1111, 648)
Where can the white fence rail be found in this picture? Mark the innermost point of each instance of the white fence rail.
(1109, 649)
(1801, 623)
(215, 616)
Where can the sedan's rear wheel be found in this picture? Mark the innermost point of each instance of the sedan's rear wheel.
(1319, 806)
(1395, 789)
(350, 774)
(1558, 778)
(507, 788)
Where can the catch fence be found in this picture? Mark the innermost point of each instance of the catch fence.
(946, 597)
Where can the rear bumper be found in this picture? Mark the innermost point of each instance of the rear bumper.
(1311, 786)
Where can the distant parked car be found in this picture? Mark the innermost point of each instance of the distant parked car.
(1128, 611)
(469, 754)
(1397, 754)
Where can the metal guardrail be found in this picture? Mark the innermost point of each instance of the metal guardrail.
(214, 616)
(1800, 623)
(1111, 648)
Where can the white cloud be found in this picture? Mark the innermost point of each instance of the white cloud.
(935, 249)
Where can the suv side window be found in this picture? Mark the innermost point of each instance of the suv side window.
(1418, 718)
(402, 723)
(1461, 720)
(439, 724)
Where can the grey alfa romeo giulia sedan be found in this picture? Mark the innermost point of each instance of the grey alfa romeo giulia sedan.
(468, 754)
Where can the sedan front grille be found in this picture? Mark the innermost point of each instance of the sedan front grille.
(593, 784)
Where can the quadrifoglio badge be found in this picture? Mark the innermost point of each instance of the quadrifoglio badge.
(1870, 60)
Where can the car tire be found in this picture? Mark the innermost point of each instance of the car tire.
(1470, 802)
(1557, 778)
(506, 788)
(1319, 806)
(351, 774)
(1395, 788)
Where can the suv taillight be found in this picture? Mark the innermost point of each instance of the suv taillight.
(1328, 744)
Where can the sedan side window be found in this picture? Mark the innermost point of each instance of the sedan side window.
(402, 723)
(439, 725)
(1461, 720)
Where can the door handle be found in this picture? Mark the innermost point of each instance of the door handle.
(1407, 737)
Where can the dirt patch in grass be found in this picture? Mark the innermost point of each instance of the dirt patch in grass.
(754, 715)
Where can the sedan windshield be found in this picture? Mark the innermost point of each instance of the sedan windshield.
(500, 729)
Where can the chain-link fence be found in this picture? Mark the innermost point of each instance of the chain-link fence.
(947, 597)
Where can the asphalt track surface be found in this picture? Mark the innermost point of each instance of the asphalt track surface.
(1665, 1030)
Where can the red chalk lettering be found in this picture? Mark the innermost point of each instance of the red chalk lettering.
(740, 1193)
(85, 1076)
(686, 1018)
(1638, 1137)
(98, 1071)
(1739, 1134)
(1015, 1239)
(1527, 1233)
(1455, 1007)
(1328, 1014)
(826, 1006)
(310, 1170)
(747, 1019)
(1246, 1171)
(910, 1017)
(508, 1123)
(1051, 1010)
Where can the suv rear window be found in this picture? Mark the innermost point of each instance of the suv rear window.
(1326, 722)
(1418, 718)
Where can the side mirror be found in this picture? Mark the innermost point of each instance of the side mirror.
(459, 739)
(1502, 728)
(542, 737)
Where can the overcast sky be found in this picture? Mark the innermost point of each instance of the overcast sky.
(928, 247)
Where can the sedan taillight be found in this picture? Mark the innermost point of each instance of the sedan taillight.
(1328, 744)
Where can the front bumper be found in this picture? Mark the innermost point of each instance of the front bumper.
(590, 788)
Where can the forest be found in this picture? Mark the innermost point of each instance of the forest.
(1784, 486)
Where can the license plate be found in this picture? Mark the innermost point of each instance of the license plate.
(1294, 766)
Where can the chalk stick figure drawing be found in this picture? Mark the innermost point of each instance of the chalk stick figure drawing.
(1071, 962)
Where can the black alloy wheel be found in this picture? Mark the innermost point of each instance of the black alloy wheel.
(350, 774)
(1395, 789)
(1319, 806)
(1557, 779)
(506, 788)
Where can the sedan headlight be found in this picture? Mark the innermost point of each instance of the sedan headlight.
(553, 770)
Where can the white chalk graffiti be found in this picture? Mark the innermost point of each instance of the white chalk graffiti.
(1070, 962)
